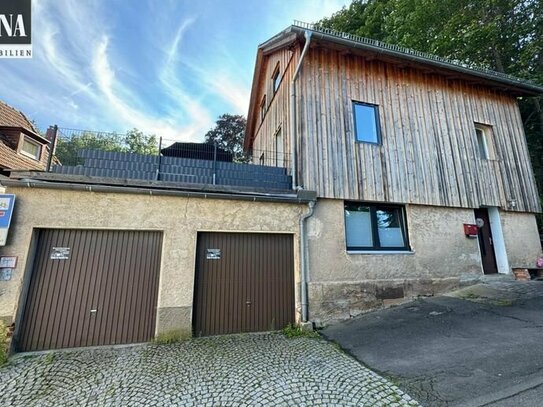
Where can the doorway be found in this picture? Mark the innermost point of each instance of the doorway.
(486, 243)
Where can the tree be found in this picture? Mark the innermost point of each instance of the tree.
(139, 143)
(134, 141)
(228, 134)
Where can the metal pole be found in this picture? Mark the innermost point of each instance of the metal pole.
(52, 147)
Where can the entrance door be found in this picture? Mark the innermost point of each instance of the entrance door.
(244, 283)
(485, 241)
(91, 287)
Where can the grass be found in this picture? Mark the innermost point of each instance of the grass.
(296, 331)
(173, 336)
(3, 343)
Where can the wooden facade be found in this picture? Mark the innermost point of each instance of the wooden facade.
(428, 152)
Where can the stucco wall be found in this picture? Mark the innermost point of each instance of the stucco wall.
(521, 238)
(344, 284)
(179, 218)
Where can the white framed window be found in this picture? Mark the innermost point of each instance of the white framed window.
(31, 149)
(279, 149)
(485, 144)
(375, 227)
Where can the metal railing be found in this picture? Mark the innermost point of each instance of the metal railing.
(139, 156)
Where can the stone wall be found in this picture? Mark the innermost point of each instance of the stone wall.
(179, 219)
(521, 238)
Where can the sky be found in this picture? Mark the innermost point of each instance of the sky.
(166, 67)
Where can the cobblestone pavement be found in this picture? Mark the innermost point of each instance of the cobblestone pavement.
(236, 370)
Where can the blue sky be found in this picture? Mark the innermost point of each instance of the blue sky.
(168, 67)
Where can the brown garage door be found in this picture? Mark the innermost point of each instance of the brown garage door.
(244, 283)
(91, 287)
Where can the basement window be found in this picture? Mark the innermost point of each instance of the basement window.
(375, 227)
(31, 149)
(366, 123)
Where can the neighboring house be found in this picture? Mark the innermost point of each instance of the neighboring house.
(21, 145)
(403, 149)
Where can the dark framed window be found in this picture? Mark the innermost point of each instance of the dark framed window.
(263, 108)
(276, 79)
(377, 227)
(366, 123)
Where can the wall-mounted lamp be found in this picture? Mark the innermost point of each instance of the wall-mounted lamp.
(511, 203)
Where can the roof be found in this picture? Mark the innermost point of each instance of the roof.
(10, 160)
(11, 117)
(380, 50)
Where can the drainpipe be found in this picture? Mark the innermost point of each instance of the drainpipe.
(303, 261)
(293, 110)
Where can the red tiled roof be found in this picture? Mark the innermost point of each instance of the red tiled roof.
(11, 117)
(9, 159)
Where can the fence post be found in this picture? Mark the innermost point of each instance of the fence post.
(214, 162)
(52, 147)
(159, 158)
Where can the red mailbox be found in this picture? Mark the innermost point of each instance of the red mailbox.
(470, 230)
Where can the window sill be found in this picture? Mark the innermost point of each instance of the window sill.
(380, 252)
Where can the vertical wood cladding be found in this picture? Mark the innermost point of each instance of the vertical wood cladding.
(104, 292)
(429, 153)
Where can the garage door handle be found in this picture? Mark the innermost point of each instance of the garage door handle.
(248, 302)
(93, 311)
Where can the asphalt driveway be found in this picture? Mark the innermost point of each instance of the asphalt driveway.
(235, 370)
(482, 346)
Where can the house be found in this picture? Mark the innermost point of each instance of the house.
(420, 165)
(21, 145)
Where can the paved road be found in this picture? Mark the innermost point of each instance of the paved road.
(235, 370)
(482, 346)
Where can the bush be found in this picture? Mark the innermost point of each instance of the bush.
(295, 331)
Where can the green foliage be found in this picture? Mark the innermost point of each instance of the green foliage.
(296, 331)
(503, 35)
(174, 336)
(3, 343)
(134, 141)
(228, 133)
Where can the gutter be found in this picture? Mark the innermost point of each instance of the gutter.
(303, 262)
(303, 198)
(293, 111)
(378, 47)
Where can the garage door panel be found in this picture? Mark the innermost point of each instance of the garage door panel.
(251, 286)
(104, 293)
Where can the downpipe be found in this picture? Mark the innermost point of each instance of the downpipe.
(293, 112)
(303, 261)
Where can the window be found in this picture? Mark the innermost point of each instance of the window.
(279, 149)
(31, 149)
(276, 79)
(375, 227)
(263, 108)
(366, 123)
(485, 145)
